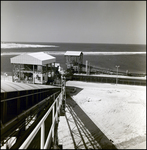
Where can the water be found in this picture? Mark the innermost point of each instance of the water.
(135, 63)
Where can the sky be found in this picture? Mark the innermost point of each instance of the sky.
(119, 22)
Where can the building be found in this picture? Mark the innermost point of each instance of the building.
(74, 60)
(38, 67)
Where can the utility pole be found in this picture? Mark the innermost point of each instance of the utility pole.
(117, 74)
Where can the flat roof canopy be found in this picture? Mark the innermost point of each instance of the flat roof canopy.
(73, 53)
(7, 86)
(37, 58)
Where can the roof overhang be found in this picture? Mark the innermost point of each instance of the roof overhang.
(37, 58)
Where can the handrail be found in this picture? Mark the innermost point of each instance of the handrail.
(41, 125)
(28, 110)
(8, 99)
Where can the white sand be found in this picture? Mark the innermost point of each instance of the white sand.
(119, 111)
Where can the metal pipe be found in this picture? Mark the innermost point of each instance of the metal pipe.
(42, 135)
(53, 113)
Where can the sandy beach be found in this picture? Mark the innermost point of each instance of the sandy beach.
(119, 111)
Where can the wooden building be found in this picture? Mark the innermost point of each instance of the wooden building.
(74, 60)
(35, 67)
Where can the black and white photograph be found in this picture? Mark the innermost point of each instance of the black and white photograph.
(73, 75)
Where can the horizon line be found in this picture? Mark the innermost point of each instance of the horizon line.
(72, 42)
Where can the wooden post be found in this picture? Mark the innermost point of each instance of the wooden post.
(13, 73)
(4, 109)
(86, 67)
(18, 104)
(26, 100)
(33, 98)
(40, 95)
(57, 109)
(51, 70)
(19, 71)
(37, 97)
(46, 72)
(89, 68)
(33, 75)
(42, 74)
(54, 68)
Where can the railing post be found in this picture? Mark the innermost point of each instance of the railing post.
(42, 135)
(33, 98)
(53, 122)
(4, 117)
(18, 104)
(59, 104)
(27, 100)
(57, 108)
(54, 97)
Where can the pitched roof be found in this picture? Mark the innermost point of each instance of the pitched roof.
(73, 53)
(37, 58)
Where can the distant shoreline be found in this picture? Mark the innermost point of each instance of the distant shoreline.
(18, 45)
(85, 53)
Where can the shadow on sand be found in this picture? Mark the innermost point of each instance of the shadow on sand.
(88, 124)
(71, 90)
